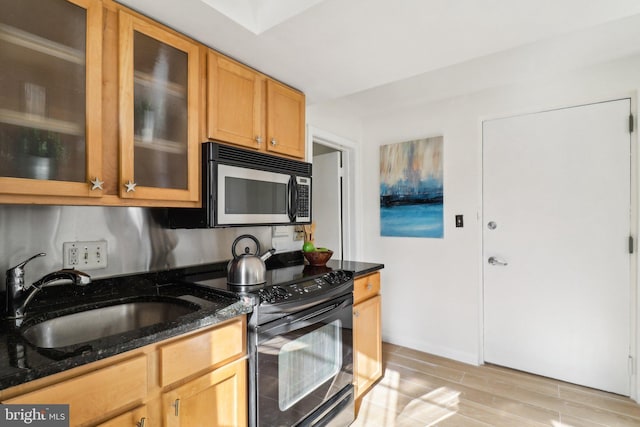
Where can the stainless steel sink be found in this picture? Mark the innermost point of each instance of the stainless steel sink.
(85, 326)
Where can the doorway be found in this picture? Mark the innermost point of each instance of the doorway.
(327, 198)
(556, 258)
(333, 199)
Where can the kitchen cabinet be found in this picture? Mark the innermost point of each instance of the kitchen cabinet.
(209, 349)
(205, 370)
(159, 111)
(235, 103)
(50, 102)
(249, 109)
(285, 120)
(218, 398)
(367, 332)
(103, 106)
(94, 394)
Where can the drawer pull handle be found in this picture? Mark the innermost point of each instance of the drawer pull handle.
(176, 404)
(274, 142)
(369, 286)
(258, 140)
(142, 422)
(356, 314)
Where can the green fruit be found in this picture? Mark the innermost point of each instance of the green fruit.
(322, 249)
(308, 247)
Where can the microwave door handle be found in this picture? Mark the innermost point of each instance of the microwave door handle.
(293, 198)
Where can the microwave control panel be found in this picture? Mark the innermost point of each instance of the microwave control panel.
(304, 198)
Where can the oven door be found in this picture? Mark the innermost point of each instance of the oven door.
(305, 361)
(251, 196)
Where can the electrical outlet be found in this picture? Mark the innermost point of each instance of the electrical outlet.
(84, 255)
(298, 232)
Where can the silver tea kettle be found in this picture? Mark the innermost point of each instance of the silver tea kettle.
(247, 269)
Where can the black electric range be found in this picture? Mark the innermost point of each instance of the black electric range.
(286, 290)
(310, 306)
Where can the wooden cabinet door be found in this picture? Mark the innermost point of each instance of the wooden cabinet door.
(285, 120)
(367, 344)
(235, 106)
(92, 395)
(50, 102)
(216, 399)
(159, 111)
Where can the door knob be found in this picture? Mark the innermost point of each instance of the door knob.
(495, 261)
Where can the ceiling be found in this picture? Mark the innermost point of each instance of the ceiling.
(357, 49)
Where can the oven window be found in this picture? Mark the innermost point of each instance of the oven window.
(250, 196)
(307, 362)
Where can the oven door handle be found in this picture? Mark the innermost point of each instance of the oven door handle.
(315, 313)
(321, 314)
(292, 201)
(292, 321)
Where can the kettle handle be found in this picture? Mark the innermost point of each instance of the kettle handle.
(244, 236)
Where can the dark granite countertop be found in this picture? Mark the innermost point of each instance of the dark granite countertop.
(21, 361)
(358, 268)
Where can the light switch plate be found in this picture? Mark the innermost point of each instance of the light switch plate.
(85, 255)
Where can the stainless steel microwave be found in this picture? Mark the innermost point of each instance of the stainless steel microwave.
(242, 187)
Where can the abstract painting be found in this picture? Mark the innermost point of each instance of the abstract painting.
(411, 188)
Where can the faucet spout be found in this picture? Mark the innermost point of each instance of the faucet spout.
(76, 277)
(19, 295)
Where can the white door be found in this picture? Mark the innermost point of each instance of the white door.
(556, 196)
(327, 202)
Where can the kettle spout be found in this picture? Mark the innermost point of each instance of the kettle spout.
(268, 254)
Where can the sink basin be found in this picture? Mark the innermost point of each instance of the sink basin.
(85, 326)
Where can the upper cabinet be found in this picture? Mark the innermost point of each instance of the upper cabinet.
(159, 110)
(100, 105)
(236, 110)
(249, 109)
(50, 101)
(285, 120)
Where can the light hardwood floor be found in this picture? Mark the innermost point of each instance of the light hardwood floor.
(419, 389)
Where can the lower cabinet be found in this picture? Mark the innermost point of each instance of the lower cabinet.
(198, 379)
(218, 398)
(367, 333)
(95, 394)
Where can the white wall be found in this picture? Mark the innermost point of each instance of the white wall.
(432, 288)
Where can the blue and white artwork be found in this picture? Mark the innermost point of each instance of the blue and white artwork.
(411, 189)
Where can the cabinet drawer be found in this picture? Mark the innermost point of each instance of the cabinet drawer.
(91, 396)
(183, 358)
(366, 287)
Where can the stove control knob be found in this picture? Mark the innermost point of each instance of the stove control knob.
(336, 277)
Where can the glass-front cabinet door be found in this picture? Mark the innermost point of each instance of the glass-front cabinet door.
(159, 112)
(50, 97)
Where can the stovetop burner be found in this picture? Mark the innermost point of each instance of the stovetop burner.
(288, 284)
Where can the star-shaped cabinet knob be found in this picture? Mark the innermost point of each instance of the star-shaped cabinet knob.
(96, 184)
(131, 186)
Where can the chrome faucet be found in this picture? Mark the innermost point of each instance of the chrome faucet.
(19, 295)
